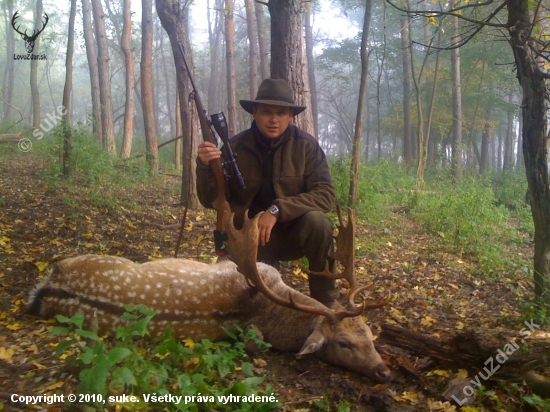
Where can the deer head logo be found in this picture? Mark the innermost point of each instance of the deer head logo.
(29, 40)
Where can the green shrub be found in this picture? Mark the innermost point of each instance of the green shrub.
(203, 373)
(382, 184)
(466, 217)
(510, 190)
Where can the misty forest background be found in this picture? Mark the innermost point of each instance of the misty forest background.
(410, 121)
(433, 116)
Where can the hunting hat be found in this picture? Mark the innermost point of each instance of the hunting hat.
(275, 92)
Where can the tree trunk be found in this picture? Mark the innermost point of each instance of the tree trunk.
(66, 121)
(91, 53)
(107, 123)
(508, 163)
(535, 151)
(125, 44)
(35, 93)
(407, 128)
(262, 40)
(287, 55)
(168, 87)
(230, 62)
(485, 140)
(311, 68)
(424, 149)
(177, 144)
(174, 19)
(456, 160)
(356, 148)
(151, 140)
(214, 36)
(253, 49)
(9, 71)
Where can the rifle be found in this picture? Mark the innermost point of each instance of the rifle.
(220, 170)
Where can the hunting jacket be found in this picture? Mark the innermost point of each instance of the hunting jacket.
(301, 177)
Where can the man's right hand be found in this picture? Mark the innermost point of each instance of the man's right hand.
(207, 152)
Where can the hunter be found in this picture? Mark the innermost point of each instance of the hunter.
(286, 176)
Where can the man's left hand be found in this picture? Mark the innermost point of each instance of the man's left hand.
(265, 225)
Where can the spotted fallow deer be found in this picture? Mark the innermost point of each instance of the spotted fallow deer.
(199, 300)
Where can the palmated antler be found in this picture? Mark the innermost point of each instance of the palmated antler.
(243, 249)
(345, 254)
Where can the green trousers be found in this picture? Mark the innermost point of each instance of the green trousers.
(310, 235)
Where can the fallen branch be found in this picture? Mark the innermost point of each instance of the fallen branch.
(506, 354)
(11, 138)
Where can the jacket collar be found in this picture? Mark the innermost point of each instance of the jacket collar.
(259, 139)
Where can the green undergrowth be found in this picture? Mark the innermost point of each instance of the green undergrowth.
(167, 374)
(98, 177)
(481, 217)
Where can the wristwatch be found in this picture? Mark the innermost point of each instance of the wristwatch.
(274, 210)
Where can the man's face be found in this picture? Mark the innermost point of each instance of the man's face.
(272, 121)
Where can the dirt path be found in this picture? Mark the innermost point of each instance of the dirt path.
(433, 292)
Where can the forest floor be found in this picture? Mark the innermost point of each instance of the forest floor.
(434, 292)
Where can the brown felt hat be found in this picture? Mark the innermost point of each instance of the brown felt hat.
(275, 92)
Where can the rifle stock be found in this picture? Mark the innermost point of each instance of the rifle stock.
(220, 204)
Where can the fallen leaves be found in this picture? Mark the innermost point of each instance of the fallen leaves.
(6, 354)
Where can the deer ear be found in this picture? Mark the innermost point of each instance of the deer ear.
(313, 343)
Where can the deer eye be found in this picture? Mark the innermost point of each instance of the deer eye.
(345, 344)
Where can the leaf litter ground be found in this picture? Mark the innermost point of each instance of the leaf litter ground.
(433, 292)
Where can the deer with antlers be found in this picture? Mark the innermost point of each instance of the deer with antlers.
(29, 40)
(202, 301)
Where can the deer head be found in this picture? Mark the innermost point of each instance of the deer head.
(339, 335)
(29, 40)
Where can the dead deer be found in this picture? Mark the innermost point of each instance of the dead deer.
(199, 300)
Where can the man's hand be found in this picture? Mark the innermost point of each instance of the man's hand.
(207, 152)
(265, 224)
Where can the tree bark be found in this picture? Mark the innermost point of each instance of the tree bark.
(484, 164)
(473, 349)
(311, 68)
(107, 122)
(174, 19)
(177, 143)
(407, 128)
(535, 151)
(287, 55)
(262, 40)
(230, 62)
(151, 140)
(9, 71)
(456, 160)
(91, 53)
(35, 92)
(66, 121)
(214, 36)
(253, 49)
(508, 163)
(356, 148)
(126, 45)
